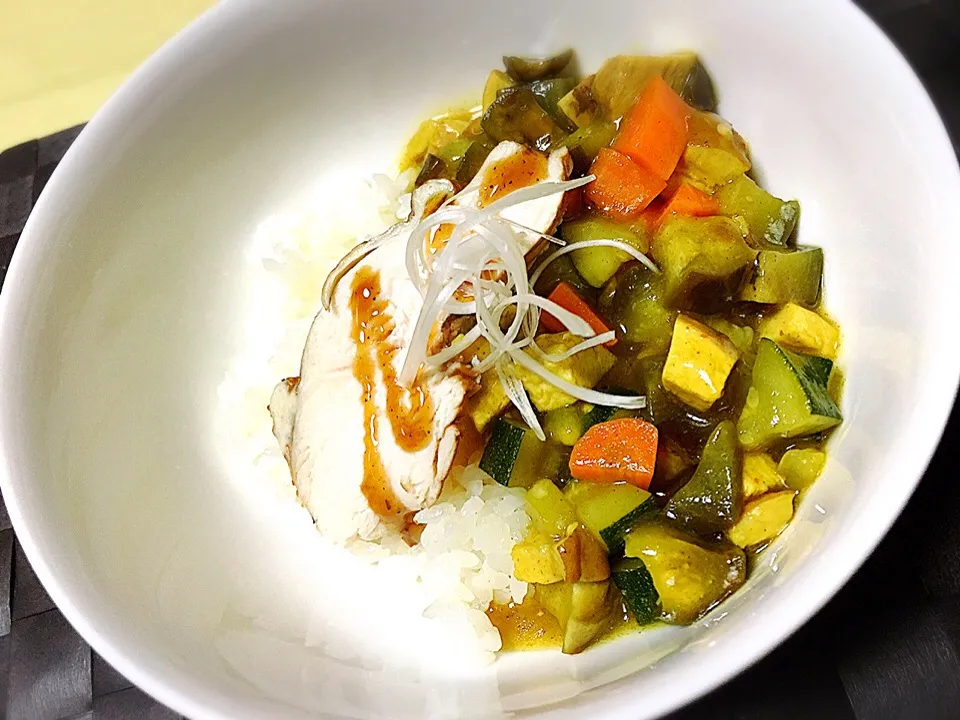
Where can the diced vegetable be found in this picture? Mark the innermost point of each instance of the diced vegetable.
(549, 93)
(584, 369)
(633, 302)
(584, 610)
(609, 511)
(654, 130)
(688, 200)
(770, 219)
(433, 169)
(516, 115)
(710, 168)
(562, 270)
(763, 519)
(580, 106)
(566, 297)
(622, 450)
(760, 475)
(633, 580)
(598, 264)
(434, 134)
(513, 455)
(497, 80)
(585, 143)
(549, 510)
(693, 251)
(784, 277)
(621, 79)
(537, 559)
(740, 335)
(502, 450)
(577, 557)
(672, 459)
(528, 69)
(489, 401)
(698, 364)
(623, 189)
(474, 158)
(711, 501)
(564, 425)
(787, 398)
(802, 330)
(690, 577)
(800, 467)
(597, 414)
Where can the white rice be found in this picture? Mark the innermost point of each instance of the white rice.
(463, 561)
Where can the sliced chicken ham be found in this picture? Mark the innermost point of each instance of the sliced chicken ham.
(366, 451)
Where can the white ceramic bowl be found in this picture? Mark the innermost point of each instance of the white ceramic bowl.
(128, 299)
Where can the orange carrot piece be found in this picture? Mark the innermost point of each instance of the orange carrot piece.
(689, 200)
(616, 451)
(623, 189)
(566, 297)
(654, 131)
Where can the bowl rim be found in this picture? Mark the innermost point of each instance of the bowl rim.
(174, 686)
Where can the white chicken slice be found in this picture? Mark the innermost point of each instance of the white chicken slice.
(365, 452)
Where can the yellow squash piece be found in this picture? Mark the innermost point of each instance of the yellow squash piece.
(802, 330)
(579, 557)
(698, 364)
(584, 610)
(763, 519)
(489, 402)
(760, 475)
(584, 369)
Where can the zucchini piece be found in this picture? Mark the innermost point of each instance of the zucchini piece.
(740, 335)
(598, 264)
(690, 576)
(502, 450)
(584, 610)
(709, 168)
(562, 270)
(800, 467)
(528, 69)
(693, 251)
(474, 158)
(598, 414)
(515, 457)
(699, 363)
(771, 220)
(585, 143)
(763, 519)
(784, 277)
(802, 330)
(620, 80)
(712, 499)
(787, 398)
(497, 80)
(549, 93)
(632, 301)
(564, 425)
(760, 476)
(551, 513)
(635, 583)
(609, 511)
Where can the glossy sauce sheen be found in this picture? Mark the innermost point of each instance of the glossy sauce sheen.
(528, 626)
(519, 170)
(410, 411)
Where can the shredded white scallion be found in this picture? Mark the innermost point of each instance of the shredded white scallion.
(483, 259)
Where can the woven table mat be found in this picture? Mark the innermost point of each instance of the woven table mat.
(887, 647)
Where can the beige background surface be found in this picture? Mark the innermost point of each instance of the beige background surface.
(61, 59)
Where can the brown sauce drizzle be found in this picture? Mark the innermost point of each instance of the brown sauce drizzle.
(409, 410)
(522, 169)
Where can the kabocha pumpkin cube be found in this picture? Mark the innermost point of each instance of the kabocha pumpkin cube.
(699, 363)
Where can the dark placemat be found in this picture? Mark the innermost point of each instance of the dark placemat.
(887, 647)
